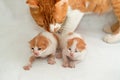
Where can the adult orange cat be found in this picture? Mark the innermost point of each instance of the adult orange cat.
(50, 14)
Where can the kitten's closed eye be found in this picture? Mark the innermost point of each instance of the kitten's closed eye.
(69, 49)
(32, 48)
(76, 50)
(39, 48)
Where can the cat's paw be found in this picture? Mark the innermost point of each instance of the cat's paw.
(110, 38)
(27, 67)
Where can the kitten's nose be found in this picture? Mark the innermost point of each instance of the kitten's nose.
(36, 53)
(71, 54)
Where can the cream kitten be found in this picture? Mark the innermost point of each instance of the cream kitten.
(43, 45)
(73, 48)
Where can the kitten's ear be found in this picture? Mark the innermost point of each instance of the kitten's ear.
(81, 44)
(30, 41)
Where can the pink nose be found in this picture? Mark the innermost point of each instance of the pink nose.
(36, 53)
(71, 54)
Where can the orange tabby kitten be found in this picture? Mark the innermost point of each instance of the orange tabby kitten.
(73, 49)
(43, 45)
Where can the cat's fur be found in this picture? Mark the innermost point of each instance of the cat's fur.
(43, 45)
(73, 49)
(49, 14)
(75, 7)
(100, 7)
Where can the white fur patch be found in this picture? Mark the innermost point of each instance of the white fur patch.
(55, 26)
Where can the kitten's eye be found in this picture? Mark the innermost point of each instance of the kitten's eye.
(32, 48)
(70, 49)
(39, 48)
(76, 51)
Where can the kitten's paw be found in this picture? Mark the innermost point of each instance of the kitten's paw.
(27, 67)
(107, 30)
(65, 65)
(110, 38)
(59, 56)
(51, 62)
(72, 65)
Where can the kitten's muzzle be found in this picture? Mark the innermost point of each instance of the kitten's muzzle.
(71, 54)
(36, 53)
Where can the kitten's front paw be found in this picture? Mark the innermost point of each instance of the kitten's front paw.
(59, 56)
(110, 38)
(72, 65)
(51, 62)
(27, 67)
(65, 64)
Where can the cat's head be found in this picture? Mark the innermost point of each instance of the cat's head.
(75, 46)
(52, 13)
(39, 45)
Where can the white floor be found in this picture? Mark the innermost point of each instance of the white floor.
(102, 61)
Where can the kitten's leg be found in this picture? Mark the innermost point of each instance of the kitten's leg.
(51, 59)
(65, 61)
(59, 55)
(29, 65)
(72, 64)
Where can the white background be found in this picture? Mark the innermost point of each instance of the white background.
(17, 27)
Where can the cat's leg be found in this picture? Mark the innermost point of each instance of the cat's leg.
(73, 19)
(51, 59)
(111, 38)
(115, 36)
(29, 65)
(112, 29)
(115, 29)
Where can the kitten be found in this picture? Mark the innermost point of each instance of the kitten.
(73, 49)
(43, 45)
